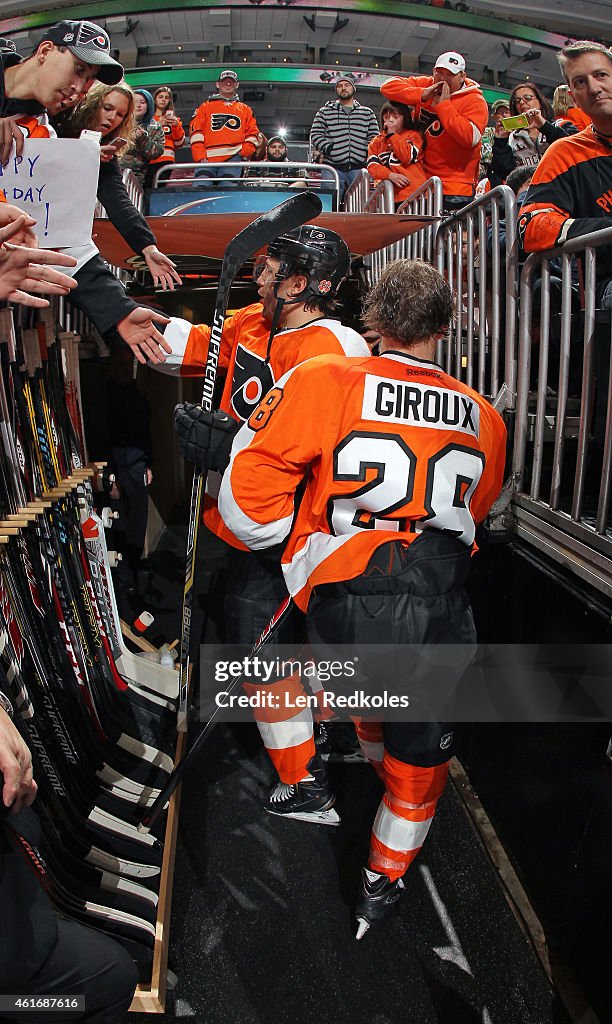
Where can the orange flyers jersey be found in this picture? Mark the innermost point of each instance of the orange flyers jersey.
(399, 152)
(570, 191)
(37, 127)
(174, 137)
(389, 445)
(222, 131)
(251, 371)
(452, 129)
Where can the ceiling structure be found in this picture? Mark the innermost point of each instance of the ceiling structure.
(286, 50)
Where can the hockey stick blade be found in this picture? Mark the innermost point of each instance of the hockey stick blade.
(290, 214)
(161, 802)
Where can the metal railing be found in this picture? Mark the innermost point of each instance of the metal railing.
(358, 193)
(477, 251)
(563, 438)
(426, 201)
(307, 175)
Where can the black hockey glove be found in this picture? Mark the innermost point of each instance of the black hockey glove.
(205, 438)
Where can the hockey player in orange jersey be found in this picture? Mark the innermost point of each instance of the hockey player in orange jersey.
(400, 462)
(297, 283)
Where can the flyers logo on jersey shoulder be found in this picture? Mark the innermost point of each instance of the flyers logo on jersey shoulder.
(251, 380)
(429, 123)
(230, 121)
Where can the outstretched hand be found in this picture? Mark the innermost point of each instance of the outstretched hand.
(161, 268)
(24, 270)
(139, 332)
(24, 235)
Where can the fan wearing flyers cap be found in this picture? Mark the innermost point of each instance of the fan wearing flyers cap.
(69, 56)
(222, 130)
(51, 80)
(452, 113)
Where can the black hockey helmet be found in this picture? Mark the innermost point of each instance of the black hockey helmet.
(322, 255)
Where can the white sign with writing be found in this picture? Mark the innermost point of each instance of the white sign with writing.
(55, 181)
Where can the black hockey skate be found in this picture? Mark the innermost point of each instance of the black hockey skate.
(378, 893)
(311, 799)
(337, 743)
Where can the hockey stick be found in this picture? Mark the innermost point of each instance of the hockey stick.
(161, 802)
(288, 215)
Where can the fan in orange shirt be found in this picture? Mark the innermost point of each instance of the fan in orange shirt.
(396, 153)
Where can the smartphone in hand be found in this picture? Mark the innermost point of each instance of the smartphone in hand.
(512, 123)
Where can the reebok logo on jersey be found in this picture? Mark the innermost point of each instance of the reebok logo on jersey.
(393, 401)
(229, 121)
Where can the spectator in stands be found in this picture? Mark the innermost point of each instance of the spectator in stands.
(148, 139)
(564, 109)
(68, 50)
(109, 109)
(499, 110)
(524, 147)
(174, 135)
(396, 153)
(571, 190)
(60, 70)
(342, 130)
(276, 153)
(261, 148)
(223, 129)
(452, 116)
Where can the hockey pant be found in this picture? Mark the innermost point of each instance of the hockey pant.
(406, 595)
(254, 589)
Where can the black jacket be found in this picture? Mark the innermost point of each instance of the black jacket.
(121, 211)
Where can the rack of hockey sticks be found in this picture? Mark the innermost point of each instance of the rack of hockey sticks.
(101, 724)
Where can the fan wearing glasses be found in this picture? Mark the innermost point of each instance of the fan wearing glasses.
(525, 146)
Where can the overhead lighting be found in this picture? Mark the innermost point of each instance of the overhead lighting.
(282, 132)
(358, 49)
(179, 47)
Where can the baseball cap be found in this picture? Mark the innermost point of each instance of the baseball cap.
(90, 43)
(277, 138)
(500, 103)
(451, 61)
(228, 74)
(8, 52)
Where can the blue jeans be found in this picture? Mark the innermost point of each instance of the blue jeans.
(219, 170)
(346, 178)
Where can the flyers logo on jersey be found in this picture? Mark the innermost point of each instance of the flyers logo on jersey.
(220, 121)
(252, 379)
(429, 123)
